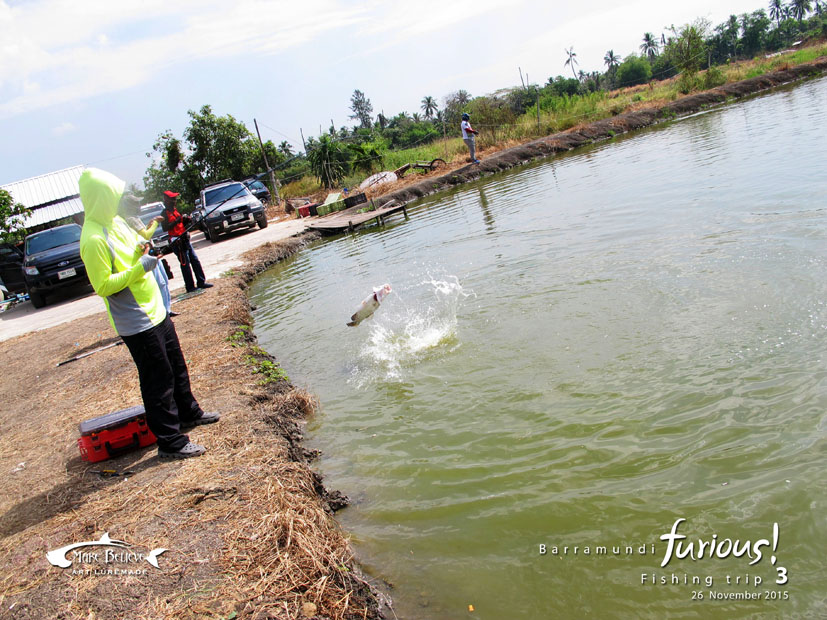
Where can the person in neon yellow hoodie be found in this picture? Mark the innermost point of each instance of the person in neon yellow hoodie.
(120, 269)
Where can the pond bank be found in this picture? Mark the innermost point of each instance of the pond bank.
(248, 527)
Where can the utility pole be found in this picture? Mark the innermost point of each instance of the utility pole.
(267, 164)
(304, 144)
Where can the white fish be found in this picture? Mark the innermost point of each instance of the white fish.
(369, 305)
(58, 556)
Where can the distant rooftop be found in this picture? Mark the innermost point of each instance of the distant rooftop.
(50, 197)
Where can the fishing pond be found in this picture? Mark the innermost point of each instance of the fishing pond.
(578, 357)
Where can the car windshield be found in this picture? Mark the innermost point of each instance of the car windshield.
(220, 194)
(146, 216)
(53, 238)
(256, 185)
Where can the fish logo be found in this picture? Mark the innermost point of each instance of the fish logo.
(58, 558)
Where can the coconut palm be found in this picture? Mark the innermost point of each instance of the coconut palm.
(776, 11)
(800, 8)
(429, 106)
(285, 148)
(415, 117)
(649, 47)
(611, 60)
(463, 97)
(571, 61)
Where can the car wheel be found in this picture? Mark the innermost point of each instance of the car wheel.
(38, 300)
(212, 234)
(262, 221)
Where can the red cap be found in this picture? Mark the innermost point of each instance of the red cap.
(171, 194)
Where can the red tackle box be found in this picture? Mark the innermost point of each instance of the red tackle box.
(113, 434)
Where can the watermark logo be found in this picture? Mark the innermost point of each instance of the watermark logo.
(116, 551)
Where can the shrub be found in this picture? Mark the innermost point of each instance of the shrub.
(633, 71)
(713, 77)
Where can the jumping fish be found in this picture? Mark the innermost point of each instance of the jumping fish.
(369, 305)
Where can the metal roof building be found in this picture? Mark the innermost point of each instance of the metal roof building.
(51, 197)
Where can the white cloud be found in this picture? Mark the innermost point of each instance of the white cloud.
(63, 129)
(58, 44)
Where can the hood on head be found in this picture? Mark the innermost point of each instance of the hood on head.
(100, 193)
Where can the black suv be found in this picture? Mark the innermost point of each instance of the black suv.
(258, 189)
(51, 261)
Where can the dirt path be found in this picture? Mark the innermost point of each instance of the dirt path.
(216, 258)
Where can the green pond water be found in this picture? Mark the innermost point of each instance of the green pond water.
(579, 353)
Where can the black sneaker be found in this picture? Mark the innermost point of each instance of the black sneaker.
(204, 418)
(206, 285)
(187, 452)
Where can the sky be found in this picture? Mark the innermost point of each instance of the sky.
(94, 82)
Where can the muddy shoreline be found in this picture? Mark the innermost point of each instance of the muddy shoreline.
(249, 526)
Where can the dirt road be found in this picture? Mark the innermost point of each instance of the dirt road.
(216, 258)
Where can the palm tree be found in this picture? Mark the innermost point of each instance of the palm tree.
(571, 61)
(776, 11)
(800, 8)
(415, 117)
(429, 106)
(611, 60)
(649, 47)
(463, 97)
(285, 148)
(818, 8)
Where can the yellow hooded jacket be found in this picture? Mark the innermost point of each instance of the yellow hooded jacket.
(112, 252)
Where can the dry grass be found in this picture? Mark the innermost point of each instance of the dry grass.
(248, 526)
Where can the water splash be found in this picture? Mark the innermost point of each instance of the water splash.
(417, 323)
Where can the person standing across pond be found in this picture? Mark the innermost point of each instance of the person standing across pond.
(179, 239)
(468, 134)
(120, 269)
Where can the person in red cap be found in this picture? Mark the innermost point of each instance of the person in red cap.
(179, 239)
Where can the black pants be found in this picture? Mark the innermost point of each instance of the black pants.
(189, 262)
(165, 383)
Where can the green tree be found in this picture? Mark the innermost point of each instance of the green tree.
(12, 216)
(687, 48)
(285, 148)
(329, 161)
(429, 106)
(366, 156)
(754, 27)
(611, 60)
(633, 70)
(649, 47)
(800, 8)
(454, 105)
(214, 148)
(571, 60)
(776, 11)
(362, 108)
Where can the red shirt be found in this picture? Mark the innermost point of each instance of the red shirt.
(174, 222)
